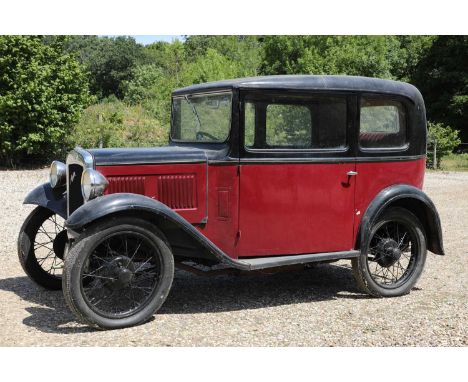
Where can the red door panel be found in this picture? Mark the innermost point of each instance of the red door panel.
(373, 177)
(295, 208)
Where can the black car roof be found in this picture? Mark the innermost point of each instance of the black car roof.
(310, 82)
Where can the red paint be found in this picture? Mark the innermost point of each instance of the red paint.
(374, 177)
(178, 191)
(221, 212)
(268, 209)
(222, 225)
(182, 186)
(296, 208)
(133, 184)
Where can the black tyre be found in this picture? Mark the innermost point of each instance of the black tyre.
(118, 273)
(41, 244)
(393, 258)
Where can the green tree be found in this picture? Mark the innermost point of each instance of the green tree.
(151, 88)
(110, 61)
(212, 66)
(445, 138)
(371, 56)
(170, 57)
(412, 49)
(42, 93)
(145, 84)
(442, 77)
(244, 51)
(152, 83)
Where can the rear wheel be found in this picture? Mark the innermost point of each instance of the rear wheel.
(41, 245)
(393, 258)
(118, 273)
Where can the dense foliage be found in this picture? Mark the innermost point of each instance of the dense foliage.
(372, 56)
(45, 82)
(42, 93)
(442, 77)
(114, 124)
(110, 61)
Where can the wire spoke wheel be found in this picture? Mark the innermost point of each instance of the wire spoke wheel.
(49, 244)
(41, 247)
(391, 255)
(118, 273)
(121, 274)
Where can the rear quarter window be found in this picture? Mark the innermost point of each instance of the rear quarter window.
(382, 124)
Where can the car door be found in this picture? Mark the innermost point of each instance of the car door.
(296, 175)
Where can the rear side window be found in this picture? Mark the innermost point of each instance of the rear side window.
(316, 124)
(382, 124)
(288, 125)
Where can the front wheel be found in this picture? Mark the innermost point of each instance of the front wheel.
(393, 258)
(41, 245)
(118, 273)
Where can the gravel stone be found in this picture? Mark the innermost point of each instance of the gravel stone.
(320, 306)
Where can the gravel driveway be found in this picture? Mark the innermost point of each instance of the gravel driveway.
(315, 307)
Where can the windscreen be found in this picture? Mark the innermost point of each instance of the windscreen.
(201, 117)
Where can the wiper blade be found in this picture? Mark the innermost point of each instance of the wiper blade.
(194, 112)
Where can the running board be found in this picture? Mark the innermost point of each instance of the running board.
(279, 261)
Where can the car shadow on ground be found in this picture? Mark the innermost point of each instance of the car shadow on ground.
(49, 312)
(192, 294)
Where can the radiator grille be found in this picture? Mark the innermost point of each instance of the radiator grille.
(178, 191)
(132, 184)
(75, 198)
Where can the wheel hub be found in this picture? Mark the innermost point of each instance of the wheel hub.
(388, 252)
(125, 276)
(59, 243)
(122, 270)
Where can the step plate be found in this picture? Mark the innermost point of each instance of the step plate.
(279, 261)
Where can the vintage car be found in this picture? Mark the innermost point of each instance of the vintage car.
(263, 172)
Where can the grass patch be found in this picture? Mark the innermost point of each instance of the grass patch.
(455, 162)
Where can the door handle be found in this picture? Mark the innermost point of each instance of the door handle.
(350, 174)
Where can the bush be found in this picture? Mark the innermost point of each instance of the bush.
(42, 94)
(115, 124)
(151, 88)
(447, 139)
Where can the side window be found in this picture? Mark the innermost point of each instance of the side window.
(288, 126)
(383, 124)
(319, 123)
